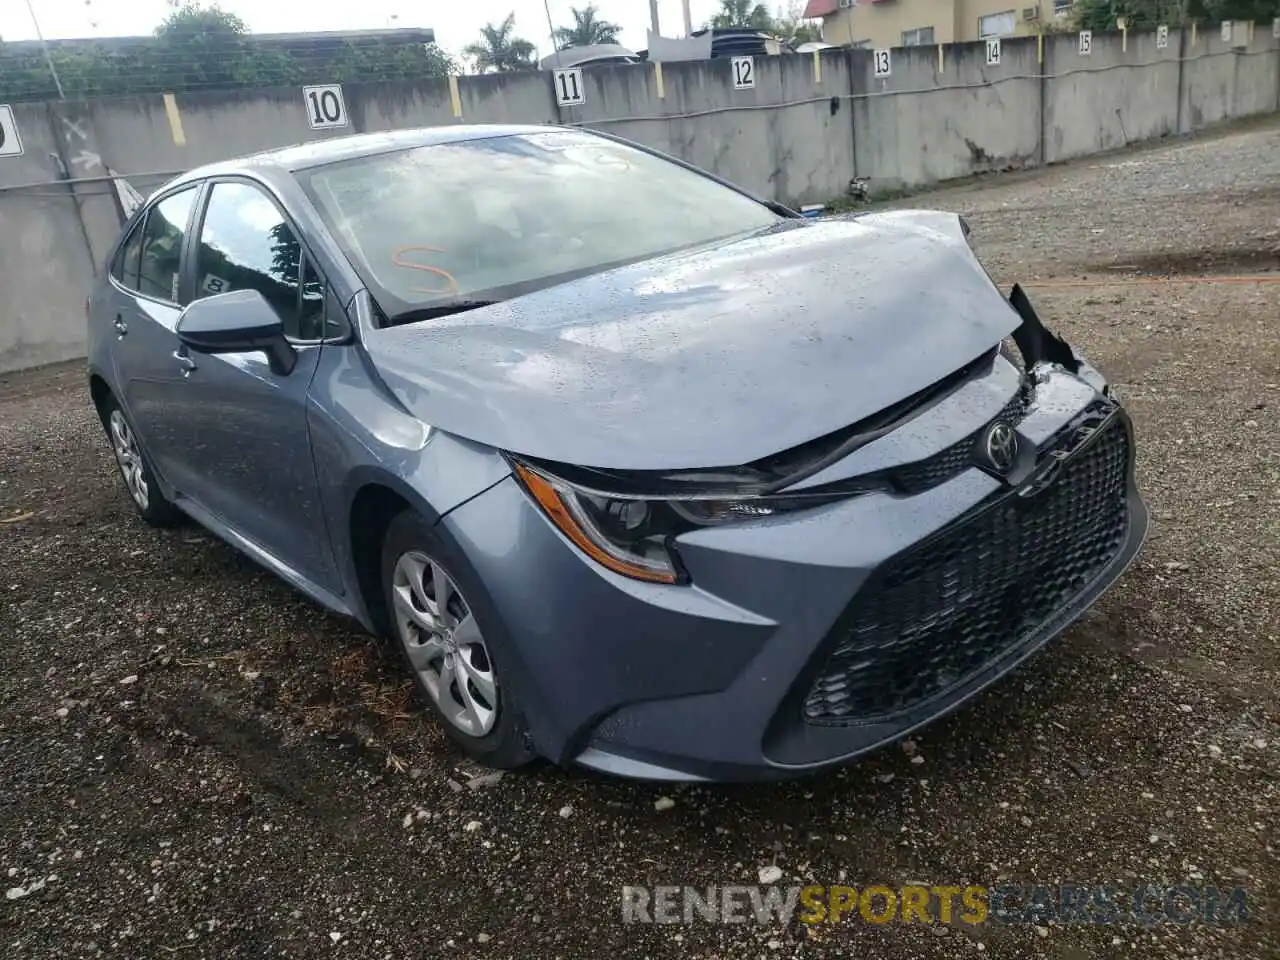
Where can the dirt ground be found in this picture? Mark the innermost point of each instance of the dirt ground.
(195, 761)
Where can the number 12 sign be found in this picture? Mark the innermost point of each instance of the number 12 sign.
(569, 89)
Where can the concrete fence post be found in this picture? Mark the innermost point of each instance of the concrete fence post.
(1044, 57)
(1182, 73)
(1275, 53)
(851, 70)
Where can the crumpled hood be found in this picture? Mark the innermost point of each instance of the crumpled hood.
(712, 357)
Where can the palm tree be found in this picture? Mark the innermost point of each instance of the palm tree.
(587, 30)
(742, 13)
(499, 51)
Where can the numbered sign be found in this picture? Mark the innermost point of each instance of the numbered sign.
(744, 73)
(569, 89)
(325, 106)
(993, 52)
(1162, 36)
(213, 284)
(1086, 43)
(10, 142)
(883, 67)
(1226, 31)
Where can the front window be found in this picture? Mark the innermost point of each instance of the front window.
(246, 243)
(919, 37)
(497, 217)
(997, 24)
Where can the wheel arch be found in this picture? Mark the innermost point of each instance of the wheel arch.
(100, 393)
(376, 499)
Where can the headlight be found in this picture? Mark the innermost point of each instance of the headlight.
(632, 535)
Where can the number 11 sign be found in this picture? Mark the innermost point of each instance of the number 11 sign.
(569, 89)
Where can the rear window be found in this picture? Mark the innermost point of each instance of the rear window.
(150, 261)
(125, 269)
(505, 215)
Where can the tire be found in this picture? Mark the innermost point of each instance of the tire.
(451, 657)
(135, 469)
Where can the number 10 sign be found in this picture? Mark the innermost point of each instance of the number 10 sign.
(325, 106)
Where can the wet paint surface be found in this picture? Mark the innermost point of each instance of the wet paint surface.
(708, 358)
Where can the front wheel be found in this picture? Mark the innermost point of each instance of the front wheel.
(135, 470)
(441, 632)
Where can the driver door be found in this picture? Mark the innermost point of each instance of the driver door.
(245, 436)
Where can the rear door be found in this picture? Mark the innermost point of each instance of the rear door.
(244, 437)
(145, 302)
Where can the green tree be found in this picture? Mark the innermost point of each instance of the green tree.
(353, 64)
(742, 13)
(791, 26)
(202, 47)
(1256, 10)
(587, 29)
(499, 50)
(1147, 14)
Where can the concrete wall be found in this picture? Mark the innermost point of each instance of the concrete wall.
(1257, 86)
(799, 153)
(929, 120)
(806, 128)
(1131, 93)
(45, 259)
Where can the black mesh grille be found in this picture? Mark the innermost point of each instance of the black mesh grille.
(942, 610)
(917, 477)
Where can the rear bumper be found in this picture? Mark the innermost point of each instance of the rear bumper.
(808, 640)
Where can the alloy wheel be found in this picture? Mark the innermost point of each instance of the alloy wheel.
(130, 459)
(440, 635)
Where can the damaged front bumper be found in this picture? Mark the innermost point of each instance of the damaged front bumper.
(1001, 512)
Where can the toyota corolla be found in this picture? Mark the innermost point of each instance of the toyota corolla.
(638, 471)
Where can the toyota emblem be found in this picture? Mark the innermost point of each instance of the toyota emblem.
(1001, 446)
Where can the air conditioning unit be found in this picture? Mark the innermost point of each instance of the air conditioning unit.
(1030, 13)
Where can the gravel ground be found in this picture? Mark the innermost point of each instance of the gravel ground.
(196, 761)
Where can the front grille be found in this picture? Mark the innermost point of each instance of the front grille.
(944, 609)
(912, 478)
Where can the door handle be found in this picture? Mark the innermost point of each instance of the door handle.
(121, 327)
(185, 362)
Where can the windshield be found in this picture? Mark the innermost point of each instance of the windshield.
(486, 219)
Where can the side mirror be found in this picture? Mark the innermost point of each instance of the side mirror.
(236, 322)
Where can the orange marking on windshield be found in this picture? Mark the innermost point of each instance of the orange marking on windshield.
(451, 286)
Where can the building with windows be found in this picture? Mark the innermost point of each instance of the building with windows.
(906, 23)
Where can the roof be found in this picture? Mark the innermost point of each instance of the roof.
(820, 8)
(572, 56)
(305, 155)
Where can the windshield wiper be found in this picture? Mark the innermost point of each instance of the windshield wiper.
(431, 311)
